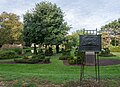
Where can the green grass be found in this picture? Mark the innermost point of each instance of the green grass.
(56, 71)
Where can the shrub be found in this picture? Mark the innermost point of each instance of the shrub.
(17, 50)
(115, 48)
(105, 52)
(71, 62)
(66, 52)
(46, 60)
(30, 61)
(48, 52)
(27, 50)
(40, 51)
(65, 57)
(62, 58)
(7, 54)
(33, 59)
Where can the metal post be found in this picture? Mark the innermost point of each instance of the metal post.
(96, 73)
(98, 69)
(82, 71)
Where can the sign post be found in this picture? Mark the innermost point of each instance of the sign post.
(90, 43)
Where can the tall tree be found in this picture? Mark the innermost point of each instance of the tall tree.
(10, 28)
(45, 24)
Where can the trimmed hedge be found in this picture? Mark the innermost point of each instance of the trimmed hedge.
(7, 54)
(33, 59)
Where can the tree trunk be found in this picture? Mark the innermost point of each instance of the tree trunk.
(35, 50)
(57, 48)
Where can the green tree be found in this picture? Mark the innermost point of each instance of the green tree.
(76, 37)
(10, 28)
(45, 25)
(113, 28)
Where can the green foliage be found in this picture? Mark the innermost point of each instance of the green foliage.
(71, 62)
(31, 59)
(105, 52)
(66, 52)
(46, 60)
(115, 48)
(7, 54)
(45, 24)
(11, 28)
(17, 50)
(64, 57)
(80, 56)
(56, 72)
(112, 26)
(48, 52)
(115, 42)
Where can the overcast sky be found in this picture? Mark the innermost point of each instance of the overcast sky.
(88, 14)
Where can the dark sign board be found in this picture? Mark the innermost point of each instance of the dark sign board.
(90, 43)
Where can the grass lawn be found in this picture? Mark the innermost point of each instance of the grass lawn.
(56, 71)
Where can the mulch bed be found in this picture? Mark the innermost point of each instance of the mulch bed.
(12, 62)
(101, 63)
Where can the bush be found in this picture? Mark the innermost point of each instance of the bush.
(62, 58)
(65, 57)
(27, 50)
(30, 61)
(115, 48)
(7, 54)
(48, 52)
(105, 52)
(66, 52)
(46, 60)
(71, 62)
(17, 50)
(40, 51)
(33, 59)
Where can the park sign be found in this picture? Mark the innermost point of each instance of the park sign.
(90, 43)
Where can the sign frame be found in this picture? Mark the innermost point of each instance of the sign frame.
(90, 43)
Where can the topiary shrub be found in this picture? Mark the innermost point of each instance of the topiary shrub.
(33, 59)
(7, 54)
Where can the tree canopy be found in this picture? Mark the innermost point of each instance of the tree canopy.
(112, 27)
(44, 24)
(10, 28)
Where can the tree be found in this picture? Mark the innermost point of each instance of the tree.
(45, 25)
(113, 28)
(10, 28)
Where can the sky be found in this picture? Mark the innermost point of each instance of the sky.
(88, 14)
